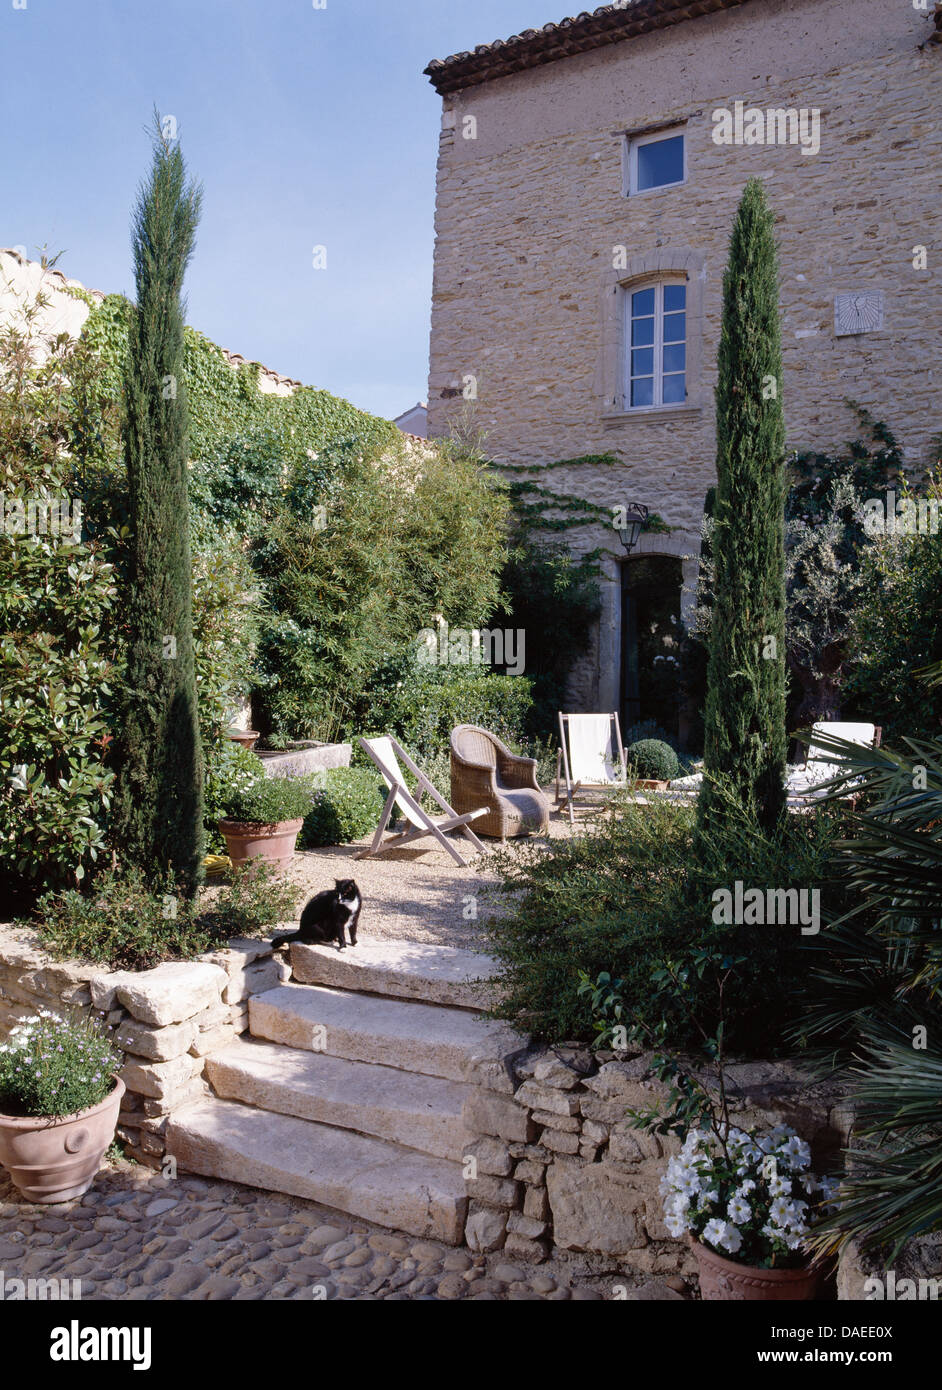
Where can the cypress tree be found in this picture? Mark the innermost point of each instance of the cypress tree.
(744, 714)
(159, 801)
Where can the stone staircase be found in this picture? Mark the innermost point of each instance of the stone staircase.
(348, 1088)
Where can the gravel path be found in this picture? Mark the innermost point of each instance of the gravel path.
(136, 1235)
(417, 893)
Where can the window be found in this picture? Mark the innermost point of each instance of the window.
(657, 345)
(655, 161)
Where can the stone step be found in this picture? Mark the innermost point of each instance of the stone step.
(425, 1038)
(369, 1178)
(419, 1112)
(400, 969)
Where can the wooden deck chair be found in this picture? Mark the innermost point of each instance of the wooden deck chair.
(386, 754)
(804, 784)
(590, 754)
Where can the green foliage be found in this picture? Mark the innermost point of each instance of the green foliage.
(125, 923)
(270, 801)
(632, 896)
(554, 598)
(874, 1001)
(158, 819)
(53, 1066)
(650, 758)
(744, 718)
(256, 900)
(56, 589)
(122, 921)
(898, 629)
(230, 771)
(421, 703)
(399, 539)
(347, 805)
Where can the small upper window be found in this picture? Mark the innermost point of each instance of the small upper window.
(655, 161)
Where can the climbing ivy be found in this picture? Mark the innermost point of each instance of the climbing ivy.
(225, 402)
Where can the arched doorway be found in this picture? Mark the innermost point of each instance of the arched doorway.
(651, 633)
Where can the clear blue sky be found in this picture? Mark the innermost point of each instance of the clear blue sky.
(305, 127)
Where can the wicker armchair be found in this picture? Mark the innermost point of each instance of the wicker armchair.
(485, 773)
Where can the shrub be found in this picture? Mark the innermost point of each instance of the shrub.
(270, 800)
(257, 900)
(631, 894)
(346, 807)
(230, 771)
(120, 922)
(55, 592)
(650, 758)
(421, 704)
(53, 1066)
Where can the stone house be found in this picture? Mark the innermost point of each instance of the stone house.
(588, 176)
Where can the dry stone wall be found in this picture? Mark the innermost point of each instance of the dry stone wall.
(167, 1020)
(558, 1164)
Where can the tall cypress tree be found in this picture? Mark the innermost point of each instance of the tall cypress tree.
(744, 715)
(159, 801)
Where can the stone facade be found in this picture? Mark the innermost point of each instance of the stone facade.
(167, 1020)
(536, 241)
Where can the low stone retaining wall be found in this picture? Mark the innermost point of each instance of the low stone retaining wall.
(558, 1164)
(312, 757)
(166, 1020)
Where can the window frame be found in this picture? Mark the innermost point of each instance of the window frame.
(658, 284)
(633, 144)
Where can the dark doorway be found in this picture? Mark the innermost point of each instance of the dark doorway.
(651, 633)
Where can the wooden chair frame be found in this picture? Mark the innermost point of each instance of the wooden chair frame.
(422, 823)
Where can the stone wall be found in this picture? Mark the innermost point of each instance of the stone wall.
(559, 1165)
(530, 211)
(166, 1020)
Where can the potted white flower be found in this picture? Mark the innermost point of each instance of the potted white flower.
(747, 1202)
(59, 1101)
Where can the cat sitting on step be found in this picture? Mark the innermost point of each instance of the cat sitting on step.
(326, 916)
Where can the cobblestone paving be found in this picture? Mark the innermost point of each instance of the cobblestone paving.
(136, 1235)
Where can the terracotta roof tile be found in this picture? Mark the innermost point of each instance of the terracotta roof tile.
(533, 47)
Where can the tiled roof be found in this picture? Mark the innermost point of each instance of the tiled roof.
(609, 24)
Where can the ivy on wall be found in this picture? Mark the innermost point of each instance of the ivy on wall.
(225, 402)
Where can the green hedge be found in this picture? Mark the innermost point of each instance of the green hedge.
(346, 807)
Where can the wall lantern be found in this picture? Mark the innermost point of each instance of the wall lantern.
(629, 523)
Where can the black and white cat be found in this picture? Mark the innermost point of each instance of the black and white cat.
(326, 917)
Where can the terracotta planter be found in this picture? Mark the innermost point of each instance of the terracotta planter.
(723, 1281)
(55, 1159)
(650, 784)
(250, 840)
(246, 737)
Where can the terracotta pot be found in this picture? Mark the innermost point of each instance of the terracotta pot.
(250, 840)
(55, 1159)
(650, 784)
(723, 1281)
(246, 737)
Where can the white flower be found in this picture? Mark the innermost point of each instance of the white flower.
(779, 1212)
(745, 1188)
(795, 1153)
(714, 1231)
(738, 1209)
(732, 1239)
(780, 1186)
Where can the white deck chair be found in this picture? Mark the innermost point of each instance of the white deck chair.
(804, 783)
(590, 754)
(386, 753)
